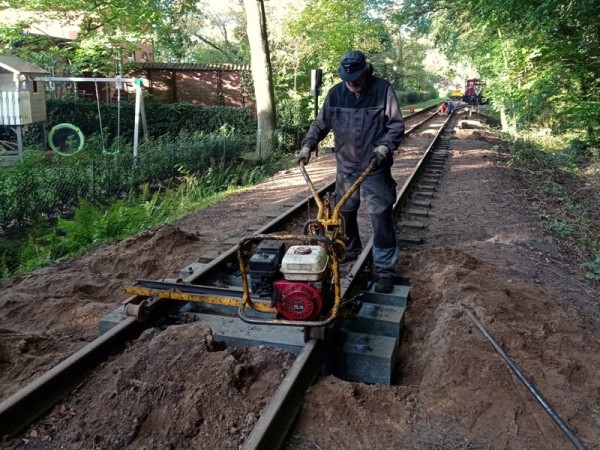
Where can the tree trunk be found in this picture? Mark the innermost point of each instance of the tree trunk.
(262, 74)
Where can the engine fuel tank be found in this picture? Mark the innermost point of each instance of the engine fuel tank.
(304, 263)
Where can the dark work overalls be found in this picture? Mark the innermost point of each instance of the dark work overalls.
(360, 124)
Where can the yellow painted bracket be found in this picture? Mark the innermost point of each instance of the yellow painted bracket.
(171, 294)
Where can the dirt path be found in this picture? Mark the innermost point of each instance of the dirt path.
(486, 251)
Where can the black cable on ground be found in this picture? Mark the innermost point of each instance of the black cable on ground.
(564, 428)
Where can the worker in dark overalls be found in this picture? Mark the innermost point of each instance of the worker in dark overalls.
(364, 115)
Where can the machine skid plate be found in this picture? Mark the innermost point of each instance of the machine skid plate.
(177, 291)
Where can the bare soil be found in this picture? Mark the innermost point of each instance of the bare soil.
(488, 251)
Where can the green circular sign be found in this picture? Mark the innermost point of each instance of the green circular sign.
(66, 139)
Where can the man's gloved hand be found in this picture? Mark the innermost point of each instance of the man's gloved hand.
(380, 154)
(303, 156)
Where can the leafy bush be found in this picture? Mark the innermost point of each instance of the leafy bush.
(292, 122)
(93, 225)
(44, 185)
(410, 97)
(118, 120)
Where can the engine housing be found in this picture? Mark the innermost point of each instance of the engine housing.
(297, 280)
(298, 300)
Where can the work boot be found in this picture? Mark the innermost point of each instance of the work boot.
(384, 285)
(348, 257)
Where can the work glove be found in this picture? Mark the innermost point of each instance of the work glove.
(303, 156)
(380, 154)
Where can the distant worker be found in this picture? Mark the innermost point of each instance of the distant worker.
(367, 125)
(449, 106)
(471, 94)
(442, 109)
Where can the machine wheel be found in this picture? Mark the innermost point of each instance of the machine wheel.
(139, 311)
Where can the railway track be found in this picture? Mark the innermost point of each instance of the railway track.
(418, 172)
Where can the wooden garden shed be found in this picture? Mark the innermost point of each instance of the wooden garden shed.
(22, 98)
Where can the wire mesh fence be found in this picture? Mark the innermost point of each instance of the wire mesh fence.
(47, 185)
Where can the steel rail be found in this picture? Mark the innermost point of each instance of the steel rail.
(278, 417)
(33, 400)
(27, 404)
(515, 369)
(37, 397)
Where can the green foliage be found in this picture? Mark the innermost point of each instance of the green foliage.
(402, 64)
(9, 258)
(324, 30)
(522, 151)
(293, 117)
(46, 185)
(538, 58)
(571, 155)
(412, 97)
(317, 34)
(561, 227)
(593, 268)
(162, 119)
(83, 230)
(210, 34)
(106, 30)
(93, 225)
(90, 227)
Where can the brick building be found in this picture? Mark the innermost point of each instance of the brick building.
(202, 84)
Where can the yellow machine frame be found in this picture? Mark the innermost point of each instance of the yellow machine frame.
(326, 230)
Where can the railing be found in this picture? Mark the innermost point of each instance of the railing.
(15, 108)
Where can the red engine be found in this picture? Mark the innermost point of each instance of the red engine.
(297, 280)
(297, 300)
